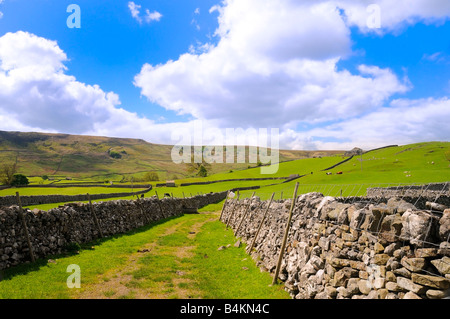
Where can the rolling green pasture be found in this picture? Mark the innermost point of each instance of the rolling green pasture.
(410, 164)
(30, 191)
(419, 163)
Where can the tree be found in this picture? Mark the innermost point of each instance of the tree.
(19, 180)
(196, 167)
(202, 172)
(45, 177)
(115, 154)
(7, 172)
(151, 176)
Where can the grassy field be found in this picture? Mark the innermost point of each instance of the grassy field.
(175, 191)
(170, 259)
(410, 164)
(30, 191)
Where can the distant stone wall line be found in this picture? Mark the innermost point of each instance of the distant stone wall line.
(52, 199)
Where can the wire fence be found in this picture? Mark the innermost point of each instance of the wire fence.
(369, 190)
(423, 196)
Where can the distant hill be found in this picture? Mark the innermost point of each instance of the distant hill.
(104, 158)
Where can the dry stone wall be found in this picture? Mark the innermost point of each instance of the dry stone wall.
(434, 190)
(50, 199)
(52, 231)
(389, 249)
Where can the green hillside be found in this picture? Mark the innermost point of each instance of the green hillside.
(104, 158)
(88, 158)
(409, 164)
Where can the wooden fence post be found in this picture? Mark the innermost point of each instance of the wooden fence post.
(224, 204)
(159, 203)
(260, 225)
(139, 204)
(25, 227)
(94, 216)
(232, 210)
(283, 246)
(244, 215)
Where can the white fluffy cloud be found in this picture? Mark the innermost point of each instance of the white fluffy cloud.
(134, 9)
(147, 17)
(275, 65)
(395, 14)
(37, 95)
(35, 91)
(403, 122)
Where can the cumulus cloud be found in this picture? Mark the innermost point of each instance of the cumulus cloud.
(152, 16)
(134, 10)
(275, 64)
(35, 91)
(147, 17)
(404, 121)
(394, 15)
(36, 94)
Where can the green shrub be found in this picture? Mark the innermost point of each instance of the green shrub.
(151, 177)
(115, 154)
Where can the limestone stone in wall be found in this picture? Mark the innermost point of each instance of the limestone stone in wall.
(340, 250)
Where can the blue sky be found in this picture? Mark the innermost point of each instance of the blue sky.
(408, 53)
(326, 82)
(111, 47)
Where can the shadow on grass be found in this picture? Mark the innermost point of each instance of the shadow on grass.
(29, 267)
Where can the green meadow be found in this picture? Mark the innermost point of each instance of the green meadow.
(33, 191)
(409, 164)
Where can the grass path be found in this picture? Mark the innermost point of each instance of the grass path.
(154, 271)
(177, 258)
